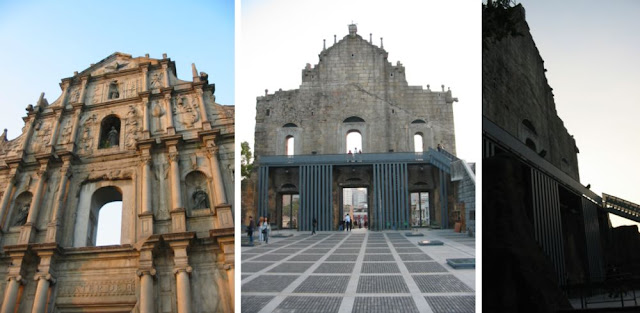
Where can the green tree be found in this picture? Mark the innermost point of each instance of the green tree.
(246, 163)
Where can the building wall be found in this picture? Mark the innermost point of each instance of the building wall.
(515, 89)
(353, 78)
(174, 144)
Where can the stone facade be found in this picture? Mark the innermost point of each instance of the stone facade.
(353, 78)
(353, 89)
(517, 97)
(125, 129)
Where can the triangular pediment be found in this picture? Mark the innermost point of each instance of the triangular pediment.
(114, 63)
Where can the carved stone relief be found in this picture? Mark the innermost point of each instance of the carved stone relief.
(161, 173)
(66, 132)
(75, 95)
(133, 128)
(97, 94)
(132, 88)
(156, 80)
(42, 136)
(98, 289)
(185, 112)
(86, 141)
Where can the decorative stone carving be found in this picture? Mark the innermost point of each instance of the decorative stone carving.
(114, 90)
(66, 132)
(75, 95)
(185, 111)
(157, 112)
(133, 128)
(86, 141)
(112, 137)
(131, 88)
(200, 199)
(97, 94)
(156, 80)
(22, 213)
(97, 289)
(42, 136)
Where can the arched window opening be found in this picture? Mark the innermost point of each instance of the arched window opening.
(290, 125)
(109, 222)
(418, 121)
(197, 189)
(109, 132)
(105, 218)
(354, 142)
(417, 142)
(353, 119)
(531, 144)
(21, 209)
(289, 145)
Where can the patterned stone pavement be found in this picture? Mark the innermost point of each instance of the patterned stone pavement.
(359, 271)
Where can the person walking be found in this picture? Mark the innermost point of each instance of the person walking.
(314, 224)
(265, 230)
(250, 228)
(260, 235)
(347, 221)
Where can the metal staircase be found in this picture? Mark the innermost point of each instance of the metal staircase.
(621, 207)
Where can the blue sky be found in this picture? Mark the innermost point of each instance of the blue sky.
(45, 41)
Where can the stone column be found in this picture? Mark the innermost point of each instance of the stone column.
(145, 115)
(40, 299)
(56, 125)
(27, 231)
(182, 270)
(77, 109)
(169, 114)
(83, 88)
(145, 71)
(146, 216)
(56, 214)
(176, 191)
(183, 289)
(147, 301)
(165, 74)
(230, 278)
(11, 294)
(212, 155)
(203, 111)
(6, 196)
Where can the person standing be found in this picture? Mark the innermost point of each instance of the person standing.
(250, 228)
(265, 230)
(314, 224)
(347, 221)
(260, 235)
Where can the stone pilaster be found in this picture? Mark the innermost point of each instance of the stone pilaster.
(53, 231)
(6, 196)
(165, 75)
(212, 155)
(171, 130)
(27, 232)
(206, 125)
(145, 117)
(145, 74)
(77, 110)
(182, 270)
(43, 276)
(178, 212)
(146, 216)
(15, 278)
(83, 88)
(147, 272)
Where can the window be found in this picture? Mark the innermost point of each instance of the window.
(417, 142)
(289, 145)
(109, 132)
(354, 142)
(105, 217)
(530, 144)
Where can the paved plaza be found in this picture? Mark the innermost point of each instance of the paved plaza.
(358, 271)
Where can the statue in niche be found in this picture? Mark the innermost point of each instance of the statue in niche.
(157, 112)
(200, 199)
(21, 216)
(114, 92)
(112, 137)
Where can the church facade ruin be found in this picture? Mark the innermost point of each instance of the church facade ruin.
(355, 127)
(125, 129)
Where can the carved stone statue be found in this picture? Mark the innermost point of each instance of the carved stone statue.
(21, 217)
(112, 137)
(200, 199)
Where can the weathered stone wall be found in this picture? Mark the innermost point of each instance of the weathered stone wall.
(353, 78)
(515, 89)
(124, 129)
